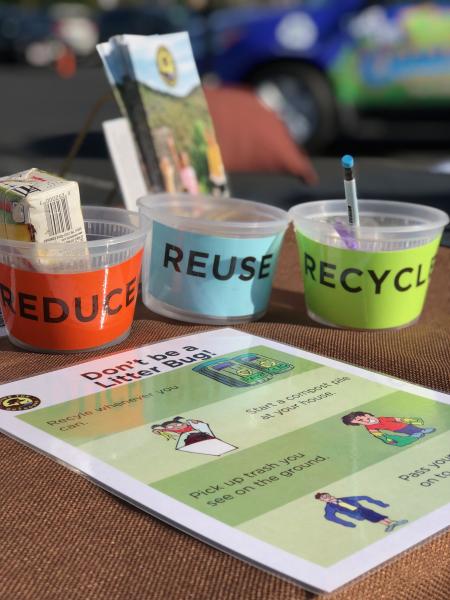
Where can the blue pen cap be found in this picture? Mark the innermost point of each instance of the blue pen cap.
(347, 161)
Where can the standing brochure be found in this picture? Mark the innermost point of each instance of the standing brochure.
(305, 466)
(158, 88)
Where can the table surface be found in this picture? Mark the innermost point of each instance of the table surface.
(61, 536)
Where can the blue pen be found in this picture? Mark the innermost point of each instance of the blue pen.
(350, 190)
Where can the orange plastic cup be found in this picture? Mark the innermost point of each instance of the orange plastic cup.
(77, 297)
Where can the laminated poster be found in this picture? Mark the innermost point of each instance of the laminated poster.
(310, 468)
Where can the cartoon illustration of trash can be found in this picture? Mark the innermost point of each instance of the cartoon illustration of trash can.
(232, 373)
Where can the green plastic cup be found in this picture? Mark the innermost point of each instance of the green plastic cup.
(374, 276)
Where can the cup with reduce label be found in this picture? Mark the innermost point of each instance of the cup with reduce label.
(72, 297)
(374, 276)
(209, 260)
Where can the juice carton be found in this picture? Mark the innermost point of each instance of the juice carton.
(38, 207)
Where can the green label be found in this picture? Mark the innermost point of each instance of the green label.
(366, 290)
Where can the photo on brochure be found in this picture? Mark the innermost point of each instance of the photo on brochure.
(158, 88)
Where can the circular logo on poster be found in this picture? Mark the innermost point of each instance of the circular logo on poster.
(19, 402)
(166, 65)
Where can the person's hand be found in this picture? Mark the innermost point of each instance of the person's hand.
(412, 421)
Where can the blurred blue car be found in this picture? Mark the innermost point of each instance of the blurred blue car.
(317, 62)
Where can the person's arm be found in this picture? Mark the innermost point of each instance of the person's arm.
(412, 420)
(165, 434)
(330, 515)
(370, 500)
(200, 426)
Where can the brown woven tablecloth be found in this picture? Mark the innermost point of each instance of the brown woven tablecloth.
(62, 537)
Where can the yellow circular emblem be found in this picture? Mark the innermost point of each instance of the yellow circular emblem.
(19, 402)
(166, 65)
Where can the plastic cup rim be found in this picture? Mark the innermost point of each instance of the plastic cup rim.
(443, 217)
(149, 204)
(110, 241)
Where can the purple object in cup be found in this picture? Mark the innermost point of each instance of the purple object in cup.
(346, 235)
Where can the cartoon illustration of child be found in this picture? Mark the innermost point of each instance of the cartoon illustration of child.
(400, 431)
(192, 436)
(350, 506)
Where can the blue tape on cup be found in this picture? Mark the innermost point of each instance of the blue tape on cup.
(211, 275)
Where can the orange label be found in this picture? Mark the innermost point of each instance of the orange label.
(71, 311)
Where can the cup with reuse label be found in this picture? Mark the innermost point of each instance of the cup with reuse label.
(73, 297)
(374, 276)
(209, 260)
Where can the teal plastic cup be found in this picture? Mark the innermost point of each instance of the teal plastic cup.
(209, 260)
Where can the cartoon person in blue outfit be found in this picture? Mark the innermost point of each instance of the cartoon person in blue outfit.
(351, 507)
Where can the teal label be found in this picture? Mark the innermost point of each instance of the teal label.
(211, 275)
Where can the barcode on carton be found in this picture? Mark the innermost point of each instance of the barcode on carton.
(58, 215)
